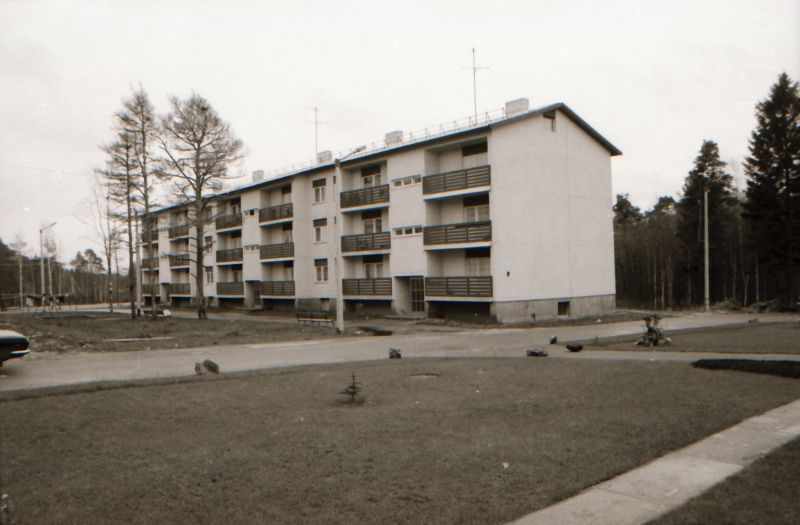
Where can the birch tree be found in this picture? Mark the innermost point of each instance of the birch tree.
(197, 148)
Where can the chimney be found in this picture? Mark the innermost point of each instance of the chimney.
(394, 137)
(324, 156)
(258, 175)
(517, 106)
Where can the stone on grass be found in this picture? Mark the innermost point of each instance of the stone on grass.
(394, 353)
(574, 347)
(536, 352)
(207, 366)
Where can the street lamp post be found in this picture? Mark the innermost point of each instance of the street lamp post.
(41, 254)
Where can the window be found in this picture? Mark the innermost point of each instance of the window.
(288, 232)
(476, 208)
(371, 177)
(319, 190)
(475, 155)
(319, 229)
(478, 262)
(407, 181)
(236, 207)
(372, 221)
(288, 271)
(209, 275)
(373, 266)
(237, 275)
(408, 230)
(321, 266)
(286, 195)
(236, 239)
(563, 308)
(208, 244)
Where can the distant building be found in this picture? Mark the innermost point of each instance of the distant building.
(506, 218)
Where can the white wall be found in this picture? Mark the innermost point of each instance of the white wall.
(550, 207)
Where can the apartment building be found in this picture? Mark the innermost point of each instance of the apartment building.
(505, 217)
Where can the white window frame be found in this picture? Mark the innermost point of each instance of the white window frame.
(477, 266)
(373, 270)
(319, 194)
(322, 273)
(374, 225)
(476, 213)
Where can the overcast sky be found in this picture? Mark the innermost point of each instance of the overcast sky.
(655, 78)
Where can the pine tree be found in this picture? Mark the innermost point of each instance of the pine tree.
(709, 174)
(772, 206)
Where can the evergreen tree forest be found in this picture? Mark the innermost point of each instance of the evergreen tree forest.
(753, 232)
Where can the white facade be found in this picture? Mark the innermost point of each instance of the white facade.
(510, 219)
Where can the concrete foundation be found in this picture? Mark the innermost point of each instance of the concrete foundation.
(539, 309)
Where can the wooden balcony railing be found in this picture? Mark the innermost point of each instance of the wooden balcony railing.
(457, 180)
(277, 288)
(229, 221)
(151, 289)
(379, 286)
(180, 289)
(366, 242)
(229, 255)
(180, 230)
(276, 213)
(230, 288)
(464, 232)
(179, 259)
(458, 286)
(276, 251)
(373, 195)
(153, 264)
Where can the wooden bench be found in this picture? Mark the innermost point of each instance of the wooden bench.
(314, 318)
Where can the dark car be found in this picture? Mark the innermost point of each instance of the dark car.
(12, 345)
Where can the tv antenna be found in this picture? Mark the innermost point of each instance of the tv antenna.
(475, 68)
(316, 123)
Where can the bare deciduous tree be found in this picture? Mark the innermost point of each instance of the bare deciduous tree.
(198, 148)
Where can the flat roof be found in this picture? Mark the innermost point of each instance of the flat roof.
(459, 128)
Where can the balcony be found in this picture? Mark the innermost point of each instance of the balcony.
(146, 236)
(461, 233)
(151, 263)
(230, 288)
(366, 242)
(178, 231)
(458, 286)
(281, 288)
(276, 213)
(456, 180)
(180, 289)
(229, 255)
(179, 259)
(359, 287)
(365, 196)
(277, 251)
(229, 221)
(151, 289)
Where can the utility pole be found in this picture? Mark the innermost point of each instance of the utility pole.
(706, 295)
(41, 255)
(21, 293)
(137, 267)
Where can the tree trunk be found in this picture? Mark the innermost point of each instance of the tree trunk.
(200, 296)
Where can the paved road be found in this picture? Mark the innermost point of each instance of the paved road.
(47, 371)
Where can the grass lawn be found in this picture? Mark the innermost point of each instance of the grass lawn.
(765, 492)
(769, 338)
(283, 447)
(87, 333)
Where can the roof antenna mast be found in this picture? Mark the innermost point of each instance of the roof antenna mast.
(316, 123)
(475, 69)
